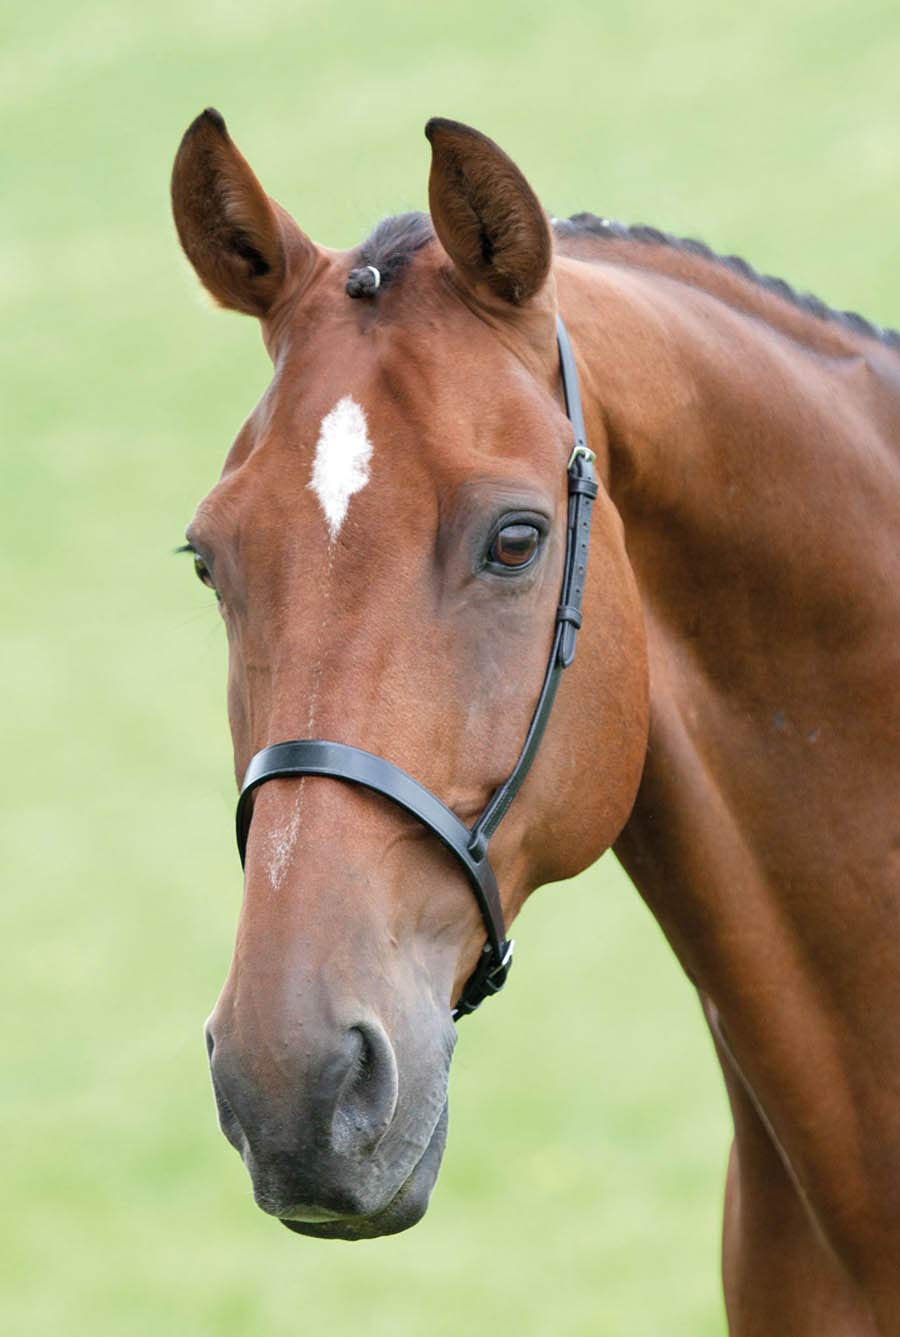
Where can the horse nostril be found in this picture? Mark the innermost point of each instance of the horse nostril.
(367, 1100)
(228, 1120)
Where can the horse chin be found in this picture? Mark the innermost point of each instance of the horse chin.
(405, 1208)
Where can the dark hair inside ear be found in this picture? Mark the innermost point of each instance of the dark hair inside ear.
(236, 238)
(488, 219)
(257, 262)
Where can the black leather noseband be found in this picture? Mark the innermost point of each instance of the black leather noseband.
(340, 761)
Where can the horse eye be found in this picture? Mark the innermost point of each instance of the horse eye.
(203, 574)
(515, 546)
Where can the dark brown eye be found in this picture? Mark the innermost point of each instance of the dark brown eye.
(515, 546)
(202, 571)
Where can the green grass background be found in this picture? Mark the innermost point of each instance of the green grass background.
(582, 1184)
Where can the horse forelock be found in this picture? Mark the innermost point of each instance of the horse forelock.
(387, 251)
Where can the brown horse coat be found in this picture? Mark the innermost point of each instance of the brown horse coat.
(731, 722)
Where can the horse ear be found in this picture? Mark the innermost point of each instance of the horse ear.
(241, 243)
(489, 220)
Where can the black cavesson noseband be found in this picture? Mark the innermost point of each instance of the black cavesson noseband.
(339, 761)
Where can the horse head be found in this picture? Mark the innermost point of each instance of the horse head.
(386, 545)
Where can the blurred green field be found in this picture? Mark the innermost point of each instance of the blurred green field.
(582, 1184)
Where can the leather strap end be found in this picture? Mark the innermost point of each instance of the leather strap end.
(567, 645)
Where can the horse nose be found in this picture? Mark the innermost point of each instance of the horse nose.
(367, 1085)
(342, 1103)
(228, 1121)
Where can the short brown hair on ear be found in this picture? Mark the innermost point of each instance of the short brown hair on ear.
(234, 235)
(488, 219)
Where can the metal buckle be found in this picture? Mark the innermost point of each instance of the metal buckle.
(500, 972)
(492, 983)
(580, 451)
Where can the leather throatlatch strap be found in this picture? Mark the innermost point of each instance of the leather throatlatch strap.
(340, 761)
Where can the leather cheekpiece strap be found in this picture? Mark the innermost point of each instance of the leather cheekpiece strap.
(340, 761)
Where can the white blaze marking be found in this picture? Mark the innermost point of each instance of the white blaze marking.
(341, 465)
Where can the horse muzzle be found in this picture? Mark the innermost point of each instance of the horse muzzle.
(330, 1147)
(404, 1209)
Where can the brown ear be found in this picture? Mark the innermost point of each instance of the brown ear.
(486, 215)
(237, 239)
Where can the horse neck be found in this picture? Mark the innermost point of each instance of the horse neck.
(746, 467)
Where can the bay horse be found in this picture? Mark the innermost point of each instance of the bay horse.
(387, 543)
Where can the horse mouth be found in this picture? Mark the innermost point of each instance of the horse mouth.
(405, 1208)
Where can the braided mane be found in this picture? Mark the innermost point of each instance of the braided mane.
(586, 224)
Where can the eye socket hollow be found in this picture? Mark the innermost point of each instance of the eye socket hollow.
(515, 545)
